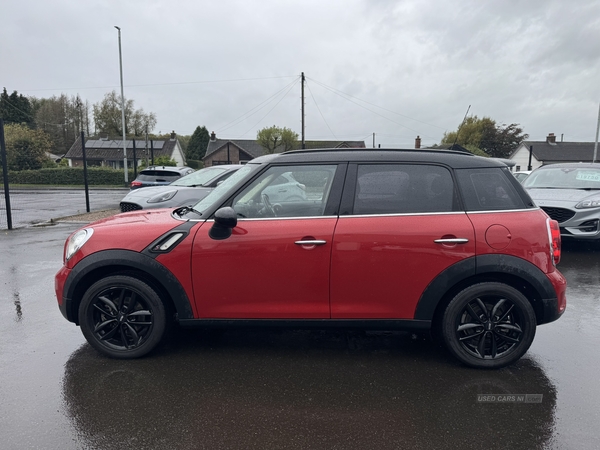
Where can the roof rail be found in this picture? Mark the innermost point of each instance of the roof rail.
(354, 149)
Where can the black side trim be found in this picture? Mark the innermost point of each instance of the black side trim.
(130, 259)
(520, 268)
(369, 324)
(492, 264)
(432, 295)
(184, 228)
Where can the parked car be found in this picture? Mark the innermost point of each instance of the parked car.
(184, 191)
(521, 175)
(425, 240)
(569, 194)
(159, 176)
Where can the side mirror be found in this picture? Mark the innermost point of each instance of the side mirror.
(225, 221)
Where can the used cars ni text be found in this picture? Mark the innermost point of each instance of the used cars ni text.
(381, 239)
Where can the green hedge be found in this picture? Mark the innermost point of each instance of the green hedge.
(69, 176)
(194, 163)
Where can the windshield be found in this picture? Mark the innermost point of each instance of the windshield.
(222, 188)
(200, 177)
(564, 178)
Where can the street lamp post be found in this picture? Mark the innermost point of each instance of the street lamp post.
(122, 109)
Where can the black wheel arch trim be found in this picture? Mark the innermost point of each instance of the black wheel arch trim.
(489, 264)
(129, 259)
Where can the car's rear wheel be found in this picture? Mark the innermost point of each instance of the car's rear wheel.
(489, 325)
(122, 317)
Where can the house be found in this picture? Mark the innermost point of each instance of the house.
(550, 152)
(109, 152)
(240, 151)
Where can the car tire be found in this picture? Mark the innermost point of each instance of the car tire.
(488, 325)
(122, 317)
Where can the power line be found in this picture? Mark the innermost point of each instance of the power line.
(258, 107)
(158, 84)
(269, 112)
(377, 106)
(319, 109)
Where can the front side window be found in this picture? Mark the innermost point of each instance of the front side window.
(286, 191)
(403, 189)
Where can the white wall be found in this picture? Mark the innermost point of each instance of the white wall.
(521, 158)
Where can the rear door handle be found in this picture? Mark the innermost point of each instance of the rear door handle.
(451, 241)
(311, 242)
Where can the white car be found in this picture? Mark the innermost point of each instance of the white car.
(521, 175)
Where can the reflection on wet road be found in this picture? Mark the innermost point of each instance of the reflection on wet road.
(284, 389)
(288, 389)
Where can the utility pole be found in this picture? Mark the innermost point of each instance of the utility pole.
(303, 134)
(596, 143)
(373, 140)
(123, 110)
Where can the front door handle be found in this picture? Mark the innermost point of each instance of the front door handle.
(311, 242)
(451, 241)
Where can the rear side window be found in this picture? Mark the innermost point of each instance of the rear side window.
(403, 188)
(152, 175)
(489, 189)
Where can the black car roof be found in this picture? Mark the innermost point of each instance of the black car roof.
(454, 159)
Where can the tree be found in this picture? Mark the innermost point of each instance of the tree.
(107, 117)
(26, 148)
(63, 118)
(485, 135)
(160, 161)
(196, 148)
(275, 140)
(15, 108)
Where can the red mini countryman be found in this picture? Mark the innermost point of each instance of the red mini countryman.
(378, 239)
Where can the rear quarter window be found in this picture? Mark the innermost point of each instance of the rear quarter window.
(491, 189)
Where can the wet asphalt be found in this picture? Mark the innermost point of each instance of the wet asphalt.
(37, 206)
(211, 389)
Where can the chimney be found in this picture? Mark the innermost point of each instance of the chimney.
(418, 142)
(551, 139)
(173, 135)
(213, 136)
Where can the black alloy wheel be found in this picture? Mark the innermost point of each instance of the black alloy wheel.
(122, 317)
(489, 325)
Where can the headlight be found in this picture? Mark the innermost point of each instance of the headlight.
(588, 204)
(76, 241)
(163, 197)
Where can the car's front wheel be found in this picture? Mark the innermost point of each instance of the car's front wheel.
(122, 317)
(489, 325)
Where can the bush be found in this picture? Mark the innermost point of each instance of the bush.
(195, 164)
(69, 176)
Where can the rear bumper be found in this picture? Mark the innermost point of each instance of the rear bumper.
(554, 307)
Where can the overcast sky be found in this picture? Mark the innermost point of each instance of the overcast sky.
(394, 68)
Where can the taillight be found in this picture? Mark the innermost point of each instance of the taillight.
(554, 235)
(135, 183)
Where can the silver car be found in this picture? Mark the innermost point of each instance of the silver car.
(185, 191)
(570, 194)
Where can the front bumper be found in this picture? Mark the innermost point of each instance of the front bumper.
(59, 285)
